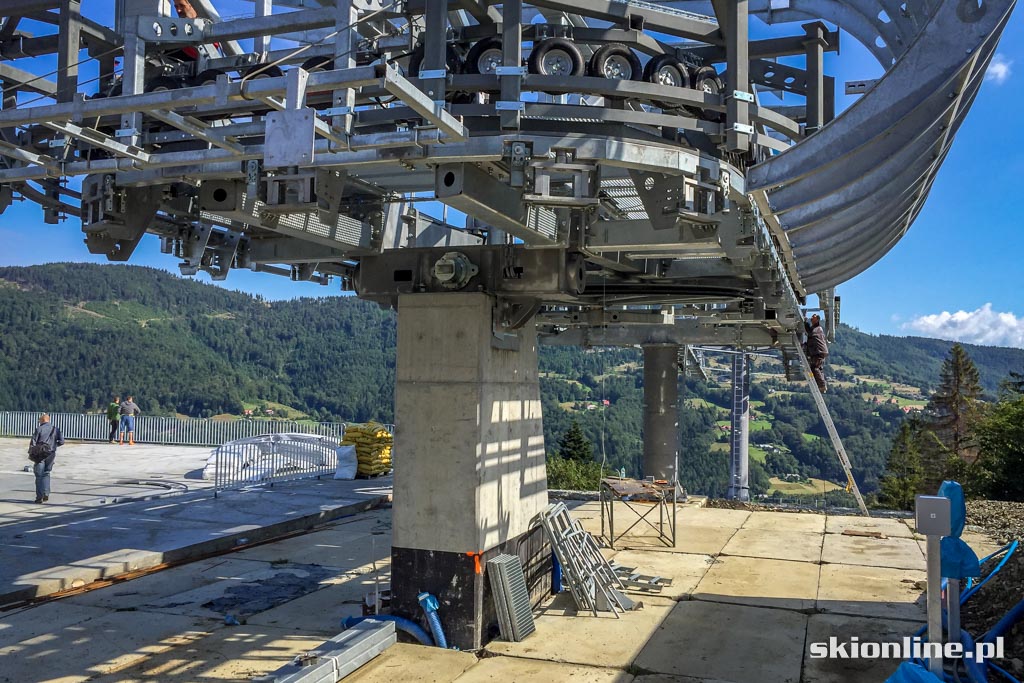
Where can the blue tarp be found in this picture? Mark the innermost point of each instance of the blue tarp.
(913, 673)
(958, 560)
(957, 505)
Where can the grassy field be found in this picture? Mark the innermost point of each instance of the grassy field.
(793, 488)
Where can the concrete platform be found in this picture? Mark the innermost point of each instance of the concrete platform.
(734, 643)
(741, 618)
(898, 553)
(761, 583)
(82, 536)
(563, 635)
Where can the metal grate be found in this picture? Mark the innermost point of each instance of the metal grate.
(511, 597)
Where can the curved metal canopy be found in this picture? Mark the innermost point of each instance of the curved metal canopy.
(843, 197)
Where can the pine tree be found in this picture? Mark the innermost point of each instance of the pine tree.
(574, 445)
(904, 473)
(953, 413)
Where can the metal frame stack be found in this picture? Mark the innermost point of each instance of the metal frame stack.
(338, 657)
(594, 585)
(511, 597)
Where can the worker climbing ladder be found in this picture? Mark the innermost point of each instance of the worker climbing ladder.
(826, 417)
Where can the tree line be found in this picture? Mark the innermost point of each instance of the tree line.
(960, 436)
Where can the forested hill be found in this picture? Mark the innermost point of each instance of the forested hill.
(71, 335)
(917, 360)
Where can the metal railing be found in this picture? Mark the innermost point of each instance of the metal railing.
(271, 458)
(165, 430)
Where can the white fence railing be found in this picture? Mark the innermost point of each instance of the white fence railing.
(164, 430)
(271, 458)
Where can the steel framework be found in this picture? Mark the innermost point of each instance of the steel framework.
(619, 162)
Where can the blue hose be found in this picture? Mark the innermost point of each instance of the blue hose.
(1004, 624)
(975, 670)
(1009, 549)
(401, 623)
(429, 605)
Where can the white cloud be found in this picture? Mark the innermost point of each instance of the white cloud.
(999, 69)
(983, 326)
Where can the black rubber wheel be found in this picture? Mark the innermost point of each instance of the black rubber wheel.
(615, 62)
(667, 72)
(556, 57)
(263, 71)
(452, 61)
(207, 77)
(161, 83)
(318, 64)
(706, 79)
(484, 57)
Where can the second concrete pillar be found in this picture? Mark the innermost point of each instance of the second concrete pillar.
(661, 420)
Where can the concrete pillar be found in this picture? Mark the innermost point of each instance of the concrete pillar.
(661, 400)
(469, 452)
(739, 451)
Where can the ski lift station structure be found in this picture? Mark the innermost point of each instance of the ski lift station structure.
(626, 173)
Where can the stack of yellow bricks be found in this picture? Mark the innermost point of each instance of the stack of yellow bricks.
(373, 447)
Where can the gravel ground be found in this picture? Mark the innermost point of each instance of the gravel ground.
(1004, 522)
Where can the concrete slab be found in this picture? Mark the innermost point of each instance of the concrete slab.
(712, 517)
(760, 582)
(899, 553)
(799, 546)
(563, 636)
(323, 610)
(785, 521)
(700, 540)
(246, 594)
(844, 628)
(235, 653)
(872, 591)
(685, 570)
(402, 662)
(894, 528)
(342, 550)
(95, 646)
(71, 549)
(50, 618)
(131, 594)
(734, 643)
(520, 670)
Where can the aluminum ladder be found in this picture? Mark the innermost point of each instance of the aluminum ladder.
(826, 417)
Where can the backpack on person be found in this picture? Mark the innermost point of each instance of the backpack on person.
(43, 449)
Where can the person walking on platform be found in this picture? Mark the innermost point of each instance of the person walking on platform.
(114, 417)
(42, 451)
(817, 351)
(128, 411)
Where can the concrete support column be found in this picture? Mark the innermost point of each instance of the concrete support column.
(469, 452)
(739, 451)
(661, 420)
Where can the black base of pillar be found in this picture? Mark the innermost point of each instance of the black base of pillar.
(460, 583)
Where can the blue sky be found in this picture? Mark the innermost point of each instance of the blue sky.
(956, 275)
